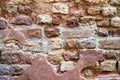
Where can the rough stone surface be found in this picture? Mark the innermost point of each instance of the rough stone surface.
(115, 21)
(87, 44)
(4, 70)
(5, 77)
(108, 66)
(12, 57)
(40, 64)
(60, 8)
(70, 55)
(115, 2)
(55, 58)
(103, 22)
(109, 11)
(111, 54)
(94, 10)
(114, 33)
(24, 9)
(32, 33)
(18, 69)
(56, 43)
(11, 34)
(102, 33)
(77, 33)
(44, 18)
(65, 66)
(51, 31)
(22, 20)
(56, 19)
(72, 23)
(71, 44)
(109, 44)
(3, 23)
(79, 12)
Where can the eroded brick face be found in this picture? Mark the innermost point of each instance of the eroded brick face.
(59, 39)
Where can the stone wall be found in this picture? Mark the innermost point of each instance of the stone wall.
(59, 39)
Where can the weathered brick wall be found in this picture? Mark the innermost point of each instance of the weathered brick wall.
(79, 39)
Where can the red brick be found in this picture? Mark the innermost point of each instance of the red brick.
(103, 22)
(114, 33)
(32, 33)
(94, 10)
(70, 44)
(87, 19)
(21, 20)
(109, 44)
(56, 19)
(87, 44)
(83, 33)
(51, 31)
(102, 33)
(72, 23)
(71, 54)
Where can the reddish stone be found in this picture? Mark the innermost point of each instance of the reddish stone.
(71, 55)
(22, 20)
(56, 19)
(94, 10)
(42, 69)
(18, 36)
(71, 44)
(3, 23)
(12, 57)
(102, 33)
(87, 44)
(109, 44)
(33, 33)
(72, 23)
(51, 31)
(114, 33)
(77, 33)
(87, 19)
(79, 12)
(24, 9)
(103, 22)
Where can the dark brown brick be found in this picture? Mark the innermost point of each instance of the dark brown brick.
(51, 31)
(109, 44)
(72, 23)
(114, 33)
(102, 33)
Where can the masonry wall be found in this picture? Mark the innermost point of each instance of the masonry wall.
(76, 37)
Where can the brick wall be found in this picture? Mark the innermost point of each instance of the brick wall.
(62, 39)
